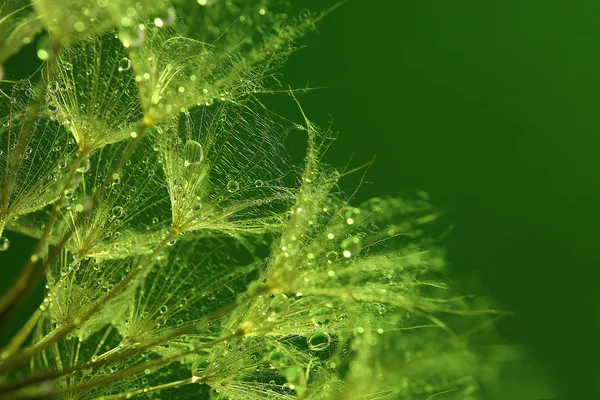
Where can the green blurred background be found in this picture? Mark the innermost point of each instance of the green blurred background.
(492, 107)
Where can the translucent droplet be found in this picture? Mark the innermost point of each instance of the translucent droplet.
(331, 256)
(53, 107)
(141, 36)
(319, 341)
(200, 365)
(275, 355)
(172, 242)
(278, 302)
(232, 186)
(85, 167)
(53, 87)
(124, 64)
(118, 212)
(351, 246)
(4, 243)
(163, 309)
(193, 153)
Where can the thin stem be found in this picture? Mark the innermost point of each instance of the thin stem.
(139, 392)
(26, 329)
(126, 353)
(28, 275)
(9, 361)
(10, 299)
(42, 393)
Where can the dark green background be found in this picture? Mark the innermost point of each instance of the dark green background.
(492, 107)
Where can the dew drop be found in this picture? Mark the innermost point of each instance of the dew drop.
(141, 36)
(124, 64)
(117, 212)
(193, 153)
(53, 87)
(85, 167)
(278, 302)
(351, 246)
(200, 365)
(163, 309)
(275, 355)
(331, 256)
(232, 186)
(53, 107)
(319, 341)
(4, 243)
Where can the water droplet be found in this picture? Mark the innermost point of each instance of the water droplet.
(85, 167)
(319, 341)
(118, 212)
(53, 87)
(331, 256)
(163, 309)
(232, 186)
(53, 107)
(351, 246)
(4, 243)
(193, 153)
(141, 36)
(278, 302)
(200, 365)
(172, 242)
(275, 355)
(124, 64)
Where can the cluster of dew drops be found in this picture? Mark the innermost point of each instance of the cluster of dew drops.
(194, 153)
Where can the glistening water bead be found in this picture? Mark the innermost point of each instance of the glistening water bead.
(232, 186)
(193, 153)
(319, 341)
(4, 243)
(124, 64)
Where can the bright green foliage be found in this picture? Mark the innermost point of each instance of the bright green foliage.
(184, 255)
